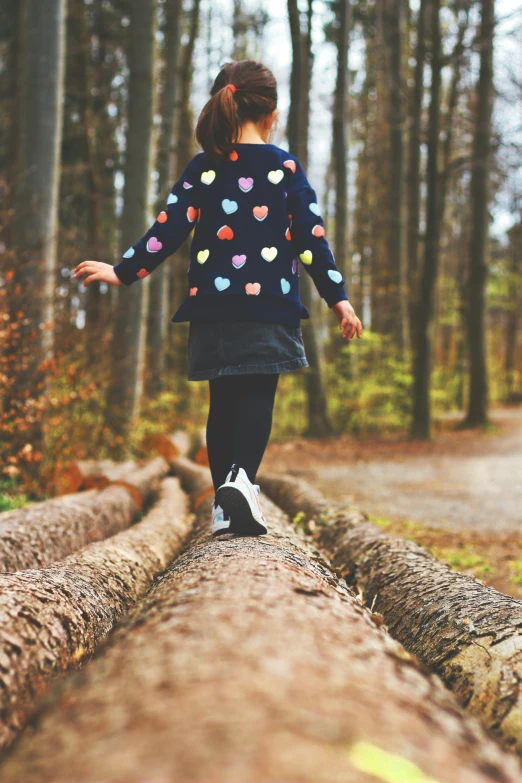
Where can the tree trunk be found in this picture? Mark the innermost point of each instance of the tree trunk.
(340, 138)
(297, 133)
(159, 293)
(514, 292)
(414, 170)
(54, 618)
(32, 280)
(469, 634)
(393, 21)
(184, 152)
(126, 384)
(315, 685)
(42, 533)
(421, 421)
(477, 414)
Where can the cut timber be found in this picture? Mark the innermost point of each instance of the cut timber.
(248, 660)
(52, 617)
(168, 446)
(42, 533)
(469, 634)
(91, 474)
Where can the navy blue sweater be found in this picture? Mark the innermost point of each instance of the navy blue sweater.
(255, 216)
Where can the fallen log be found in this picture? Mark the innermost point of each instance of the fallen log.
(40, 534)
(178, 444)
(469, 634)
(90, 474)
(248, 660)
(54, 617)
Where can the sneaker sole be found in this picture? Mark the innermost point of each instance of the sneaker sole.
(236, 507)
(221, 530)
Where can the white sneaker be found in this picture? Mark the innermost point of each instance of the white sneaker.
(220, 523)
(239, 499)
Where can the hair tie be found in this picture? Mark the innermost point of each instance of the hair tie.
(231, 87)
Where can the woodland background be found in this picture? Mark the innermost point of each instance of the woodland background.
(406, 115)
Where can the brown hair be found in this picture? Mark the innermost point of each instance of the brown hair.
(255, 96)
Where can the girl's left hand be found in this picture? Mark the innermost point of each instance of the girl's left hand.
(349, 324)
(97, 271)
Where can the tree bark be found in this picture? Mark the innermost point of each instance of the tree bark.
(421, 419)
(42, 533)
(468, 634)
(340, 129)
(184, 151)
(128, 355)
(32, 280)
(513, 318)
(54, 617)
(318, 424)
(91, 474)
(414, 170)
(159, 293)
(477, 414)
(393, 21)
(313, 676)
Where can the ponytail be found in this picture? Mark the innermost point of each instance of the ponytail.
(242, 91)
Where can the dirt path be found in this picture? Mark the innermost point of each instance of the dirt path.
(461, 480)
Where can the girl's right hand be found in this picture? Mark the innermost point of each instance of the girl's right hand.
(97, 271)
(349, 323)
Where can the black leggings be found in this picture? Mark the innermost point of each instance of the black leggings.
(239, 422)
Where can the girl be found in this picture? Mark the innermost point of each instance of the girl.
(255, 215)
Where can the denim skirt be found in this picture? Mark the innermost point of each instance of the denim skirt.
(244, 347)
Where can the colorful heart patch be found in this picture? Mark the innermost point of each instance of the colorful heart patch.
(162, 217)
(285, 285)
(192, 214)
(143, 273)
(306, 257)
(239, 260)
(129, 253)
(245, 183)
(253, 288)
(208, 177)
(225, 232)
(154, 245)
(275, 176)
(269, 253)
(187, 185)
(260, 213)
(221, 283)
(318, 231)
(334, 275)
(313, 207)
(233, 155)
(290, 164)
(202, 256)
(229, 206)
(294, 266)
(172, 199)
(288, 235)
(193, 291)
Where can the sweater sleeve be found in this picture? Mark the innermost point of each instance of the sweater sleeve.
(172, 227)
(307, 234)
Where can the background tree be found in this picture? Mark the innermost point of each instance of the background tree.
(130, 320)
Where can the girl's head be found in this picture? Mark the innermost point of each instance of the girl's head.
(254, 99)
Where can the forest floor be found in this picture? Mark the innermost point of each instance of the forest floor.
(459, 495)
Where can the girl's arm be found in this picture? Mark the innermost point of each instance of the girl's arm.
(173, 225)
(307, 235)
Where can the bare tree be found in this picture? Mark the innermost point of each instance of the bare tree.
(126, 385)
(477, 413)
(297, 132)
(159, 282)
(35, 226)
(420, 427)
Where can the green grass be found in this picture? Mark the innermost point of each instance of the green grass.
(10, 498)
